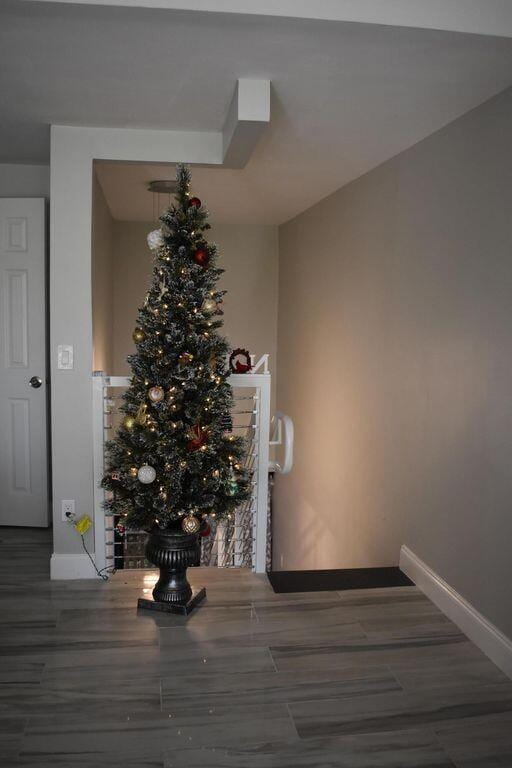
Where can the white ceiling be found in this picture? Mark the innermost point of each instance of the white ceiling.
(345, 96)
(486, 17)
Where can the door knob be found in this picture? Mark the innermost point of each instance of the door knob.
(35, 382)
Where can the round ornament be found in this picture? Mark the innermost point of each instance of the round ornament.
(209, 305)
(146, 474)
(121, 529)
(128, 422)
(201, 257)
(138, 335)
(156, 394)
(190, 524)
(155, 239)
(194, 202)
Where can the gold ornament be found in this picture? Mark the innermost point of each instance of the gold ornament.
(185, 358)
(142, 417)
(190, 524)
(133, 471)
(138, 335)
(156, 394)
(162, 288)
(128, 422)
(209, 305)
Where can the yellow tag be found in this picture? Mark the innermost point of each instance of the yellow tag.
(83, 525)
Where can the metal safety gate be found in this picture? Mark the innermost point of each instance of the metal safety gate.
(240, 542)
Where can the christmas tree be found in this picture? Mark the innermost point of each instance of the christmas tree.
(174, 460)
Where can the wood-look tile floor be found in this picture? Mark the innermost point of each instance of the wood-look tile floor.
(364, 679)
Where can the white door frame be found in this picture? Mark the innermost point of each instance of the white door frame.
(73, 152)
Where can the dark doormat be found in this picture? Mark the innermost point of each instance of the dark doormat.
(344, 578)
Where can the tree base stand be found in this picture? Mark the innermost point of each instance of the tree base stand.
(172, 550)
(181, 608)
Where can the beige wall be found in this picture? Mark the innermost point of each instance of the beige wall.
(394, 360)
(249, 254)
(102, 280)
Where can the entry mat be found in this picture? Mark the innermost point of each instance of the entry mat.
(344, 578)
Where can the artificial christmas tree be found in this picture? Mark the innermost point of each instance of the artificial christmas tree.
(174, 463)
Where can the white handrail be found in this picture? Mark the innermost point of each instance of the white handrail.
(279, 421)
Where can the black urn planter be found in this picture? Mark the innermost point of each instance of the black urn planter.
(173, 551)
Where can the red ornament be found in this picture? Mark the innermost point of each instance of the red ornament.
(205, 530)
(201, 257)
(121, 529)
(240, 361)
(198, 438)
(194, 202)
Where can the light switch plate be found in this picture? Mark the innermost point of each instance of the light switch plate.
(65, 357)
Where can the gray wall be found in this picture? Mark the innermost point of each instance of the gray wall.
(394, 360)
(18, 180)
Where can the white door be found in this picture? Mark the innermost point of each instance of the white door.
(23, 386)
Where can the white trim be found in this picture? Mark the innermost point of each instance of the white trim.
(98, 435)
(71, 567)
(485, 635)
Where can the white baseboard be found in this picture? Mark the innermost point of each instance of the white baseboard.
(487, 637)
(71, 567)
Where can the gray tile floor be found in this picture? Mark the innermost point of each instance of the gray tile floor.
(362, 679)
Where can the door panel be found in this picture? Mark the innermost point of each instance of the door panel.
(16, 318)
(20, 442)
(23, 407)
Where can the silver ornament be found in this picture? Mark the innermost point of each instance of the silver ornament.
(146, 474)
(155, 239)
(156, 394)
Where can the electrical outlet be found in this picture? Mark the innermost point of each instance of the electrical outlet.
(68, 510)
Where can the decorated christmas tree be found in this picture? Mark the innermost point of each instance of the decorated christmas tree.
(174, 463)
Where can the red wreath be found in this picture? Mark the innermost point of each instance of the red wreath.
(240, 361)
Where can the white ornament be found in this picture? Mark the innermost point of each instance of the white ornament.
(155, 239)
(146, 474)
